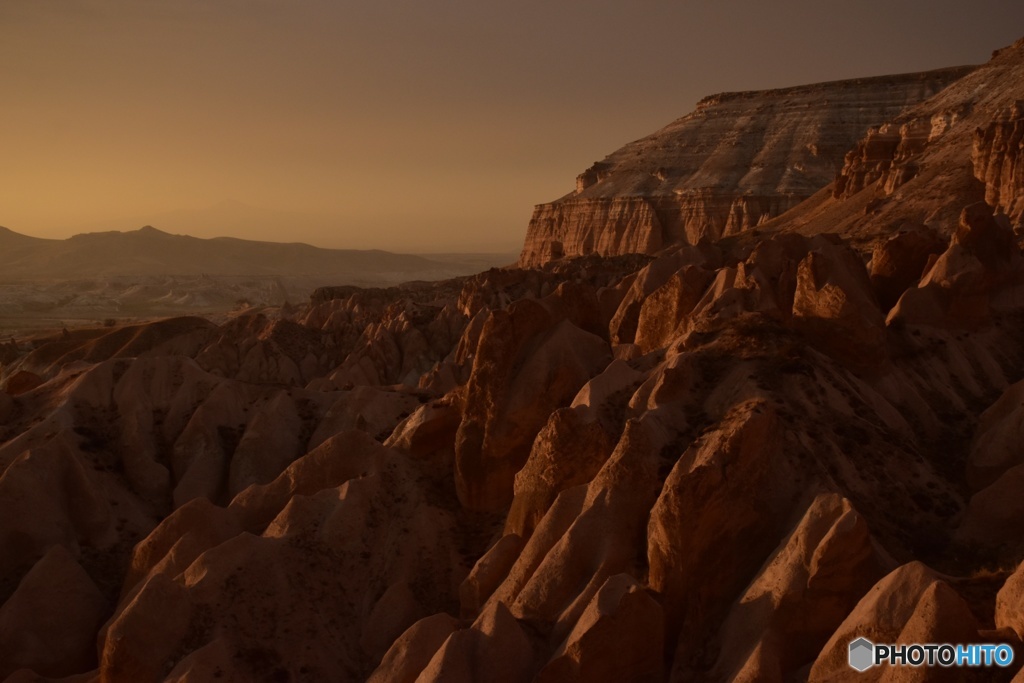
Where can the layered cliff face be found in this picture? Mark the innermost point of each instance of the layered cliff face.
(736, 161)
(723, 463)
(999, 161)
(963, 145)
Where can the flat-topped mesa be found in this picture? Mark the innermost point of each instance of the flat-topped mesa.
(736, 161)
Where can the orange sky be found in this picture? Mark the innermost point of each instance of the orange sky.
(400, 125)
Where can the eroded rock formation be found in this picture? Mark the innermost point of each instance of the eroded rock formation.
(738, 160)
(922, 167)
(723, 463)
(999, 161)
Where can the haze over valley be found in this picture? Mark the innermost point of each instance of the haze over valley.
(745, 405)
(95, 277)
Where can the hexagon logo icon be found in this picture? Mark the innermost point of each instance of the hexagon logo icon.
(862, 654)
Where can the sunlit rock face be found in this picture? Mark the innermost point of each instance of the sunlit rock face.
(722, 463)
(922, 167)
(736, 161)
(999, 161)
(721, 494)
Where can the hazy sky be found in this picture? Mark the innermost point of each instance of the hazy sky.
(397, 124)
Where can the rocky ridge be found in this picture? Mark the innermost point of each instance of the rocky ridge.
(723, 462)
(738, 160)
(960, 146)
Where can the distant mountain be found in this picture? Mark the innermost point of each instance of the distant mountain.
(728, 461)
(227, 217)
(149, 251)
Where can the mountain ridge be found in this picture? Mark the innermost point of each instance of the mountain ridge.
(736, 161)
(920, 167)
(726, 461)
(150, 251)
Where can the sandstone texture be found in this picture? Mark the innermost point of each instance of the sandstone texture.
(923, 166)
(722, 462)
(738, 160)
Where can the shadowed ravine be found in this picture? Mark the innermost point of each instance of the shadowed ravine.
(723, 460)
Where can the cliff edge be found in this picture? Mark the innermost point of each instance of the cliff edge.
(736, 161)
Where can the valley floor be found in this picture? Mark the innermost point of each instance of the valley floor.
(721, 463)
